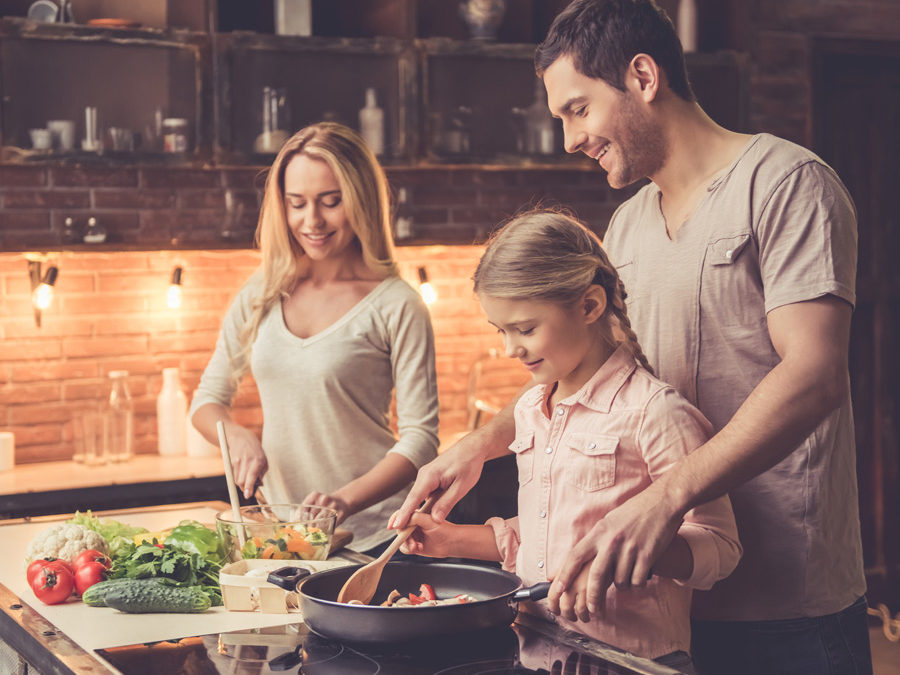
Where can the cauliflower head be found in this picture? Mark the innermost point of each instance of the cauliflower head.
(65, 541)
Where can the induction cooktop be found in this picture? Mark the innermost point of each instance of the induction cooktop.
(294, 649)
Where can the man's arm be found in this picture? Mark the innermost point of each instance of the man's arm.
(456, 470)
(812, 338)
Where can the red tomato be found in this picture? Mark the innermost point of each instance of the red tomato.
(92, 555)
(36, 566)
(426, 592)
(88, 574)
(53, 584)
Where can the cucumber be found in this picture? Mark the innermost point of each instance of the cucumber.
(143, 596)
(95, 596)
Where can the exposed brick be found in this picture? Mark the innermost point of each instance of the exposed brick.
(46, 199)
(22, 176)
(32, 393)
(94, 177)
(17, 350)
(180, 178)
(23, 221)
(134, 199)
(104, 347)
(202, 199)
(245, 179)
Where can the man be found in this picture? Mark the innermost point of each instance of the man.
(739, 258)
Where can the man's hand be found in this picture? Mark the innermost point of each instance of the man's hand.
(248, 461)
(621, 548)
(453, 472)
(331, 502)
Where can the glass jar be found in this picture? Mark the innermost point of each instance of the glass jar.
(175, 134)
(118, 419)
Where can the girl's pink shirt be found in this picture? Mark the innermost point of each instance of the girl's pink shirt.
(597, 448)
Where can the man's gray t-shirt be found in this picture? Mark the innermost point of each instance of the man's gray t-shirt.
(776, 227)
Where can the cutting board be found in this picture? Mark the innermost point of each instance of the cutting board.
(100, 627)
(340, 539)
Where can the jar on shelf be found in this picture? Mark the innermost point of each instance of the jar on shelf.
(175, 134)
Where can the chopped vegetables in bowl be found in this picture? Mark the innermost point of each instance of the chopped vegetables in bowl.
(277, 532)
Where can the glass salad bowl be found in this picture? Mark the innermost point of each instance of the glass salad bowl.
(277, 532)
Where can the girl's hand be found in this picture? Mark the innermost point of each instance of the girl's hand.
(430, 538)
(248, 460)
(331, 502)
(572, 603)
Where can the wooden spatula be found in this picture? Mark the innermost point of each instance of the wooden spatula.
(363, 582)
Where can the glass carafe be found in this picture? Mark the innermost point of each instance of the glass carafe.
(275, 121)
(118, 419)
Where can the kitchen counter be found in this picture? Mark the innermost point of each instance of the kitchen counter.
(62, 638)
(73, 639)
(46, 488)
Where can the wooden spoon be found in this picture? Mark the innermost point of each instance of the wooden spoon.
(362, 583)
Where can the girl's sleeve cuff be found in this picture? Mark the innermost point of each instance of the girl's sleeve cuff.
(506, 534)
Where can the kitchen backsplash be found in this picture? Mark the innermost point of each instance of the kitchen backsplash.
(109, 312)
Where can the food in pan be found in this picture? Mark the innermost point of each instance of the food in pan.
(425, 598)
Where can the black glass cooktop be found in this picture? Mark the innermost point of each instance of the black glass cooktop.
(293, 649)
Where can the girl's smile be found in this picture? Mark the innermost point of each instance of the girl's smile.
(556, 343)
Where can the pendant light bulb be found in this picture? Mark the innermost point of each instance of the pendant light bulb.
(42, 296)
(429, 295)
(173, 297)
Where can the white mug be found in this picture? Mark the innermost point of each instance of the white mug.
(7, 450)
(63, 132)
(40, 139)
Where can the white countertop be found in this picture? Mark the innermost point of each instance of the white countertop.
(100, 627)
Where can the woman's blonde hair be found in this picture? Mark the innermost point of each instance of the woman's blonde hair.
(551, 257)
(366, 199)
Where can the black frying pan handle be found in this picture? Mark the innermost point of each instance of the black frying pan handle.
(287, 577)
(537, 592)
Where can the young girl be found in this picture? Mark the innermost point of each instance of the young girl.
(597, 429)
(328, 330)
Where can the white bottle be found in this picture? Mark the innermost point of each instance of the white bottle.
(171, 412)
(371, 123)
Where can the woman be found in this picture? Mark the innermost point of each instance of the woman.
(328, 330)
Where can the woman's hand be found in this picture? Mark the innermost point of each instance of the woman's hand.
(330, 501)
(430, 538)
(248, 460)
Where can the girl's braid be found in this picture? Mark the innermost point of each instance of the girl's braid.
(617, 302)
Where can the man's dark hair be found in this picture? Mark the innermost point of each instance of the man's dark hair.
(602, 36)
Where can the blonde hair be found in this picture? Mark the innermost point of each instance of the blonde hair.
(366, 199)
(550, 256)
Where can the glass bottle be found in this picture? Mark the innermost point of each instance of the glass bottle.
(171, 411)
(118, 419)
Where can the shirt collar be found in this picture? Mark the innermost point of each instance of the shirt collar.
(598, 392)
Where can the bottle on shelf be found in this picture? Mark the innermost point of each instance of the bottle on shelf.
(404, 225)
(171, 413)
(539, 131)
(118, 419)
(371, 123)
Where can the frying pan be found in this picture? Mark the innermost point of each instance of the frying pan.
(497, 594)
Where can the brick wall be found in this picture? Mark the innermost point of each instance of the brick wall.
(109, 311)
(781, 38)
